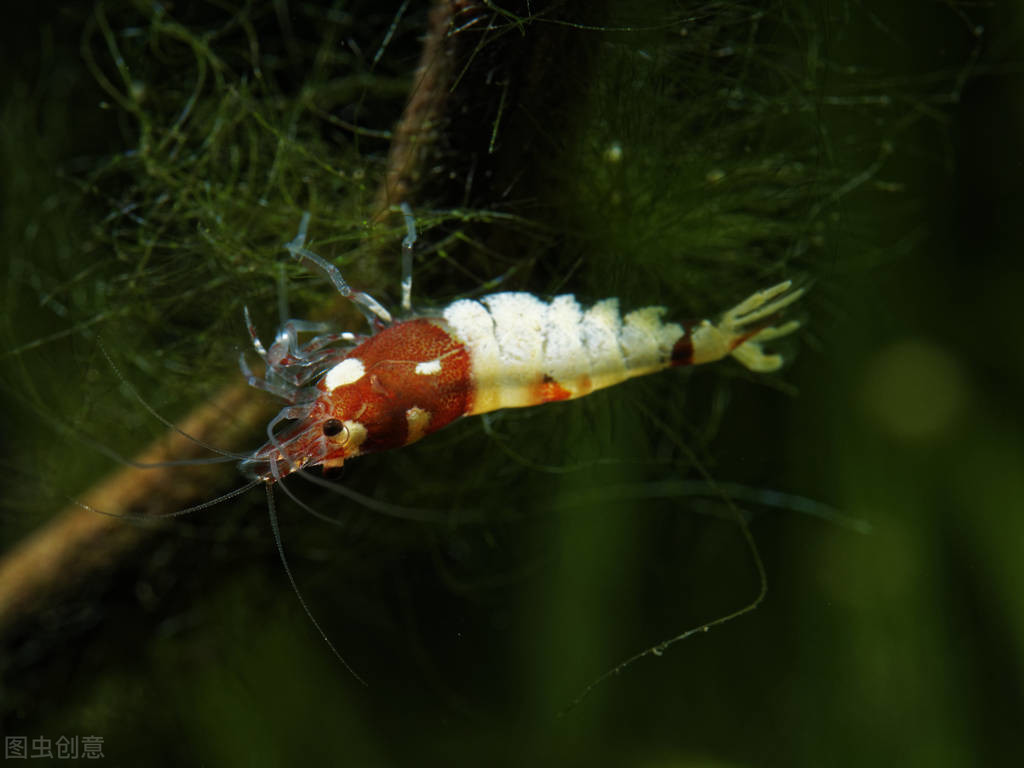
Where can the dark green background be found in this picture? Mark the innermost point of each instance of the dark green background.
(902, 410)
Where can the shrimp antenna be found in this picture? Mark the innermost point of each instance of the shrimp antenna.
(752, 605)
(306, 507)
(106, 450)
(228, 455)
(163, 515)
(419, 514)
(295, 587)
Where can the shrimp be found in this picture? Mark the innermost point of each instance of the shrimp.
(411, 377)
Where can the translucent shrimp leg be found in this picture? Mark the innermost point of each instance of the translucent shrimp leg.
(369, 306)
(407, 245)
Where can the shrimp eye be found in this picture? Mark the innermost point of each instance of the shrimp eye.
(332, 427)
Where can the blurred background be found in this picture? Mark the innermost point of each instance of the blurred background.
(157, 157)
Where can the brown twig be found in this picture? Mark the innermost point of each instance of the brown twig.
(80, 540)
(417, 130)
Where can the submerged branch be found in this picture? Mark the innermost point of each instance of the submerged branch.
(91, 534)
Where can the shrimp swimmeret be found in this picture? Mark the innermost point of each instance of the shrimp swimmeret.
(409, 378)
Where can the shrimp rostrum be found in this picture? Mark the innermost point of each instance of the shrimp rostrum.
(352, 394)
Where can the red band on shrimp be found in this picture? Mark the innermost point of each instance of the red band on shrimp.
(682, 350)
(549, 390)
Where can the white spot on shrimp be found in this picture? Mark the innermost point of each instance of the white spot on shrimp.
(356, 436)
(428, 368)
(646, 342)
(416, 419)
(346, 372)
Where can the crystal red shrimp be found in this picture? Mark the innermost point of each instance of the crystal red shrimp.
(412, 377)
